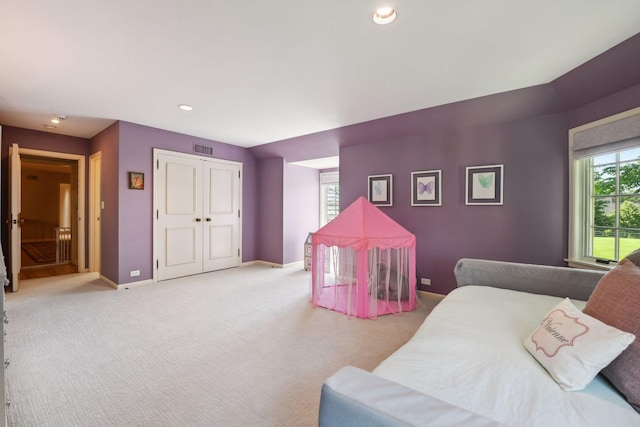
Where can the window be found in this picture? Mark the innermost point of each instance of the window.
(604, 164)
(329, 197)
(613, 216)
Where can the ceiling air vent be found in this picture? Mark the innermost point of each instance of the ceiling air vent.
(202, 149)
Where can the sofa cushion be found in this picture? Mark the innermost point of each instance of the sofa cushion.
(573, 347)
(616, 301)
(469, 353)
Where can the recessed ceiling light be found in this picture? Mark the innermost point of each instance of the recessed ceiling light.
(384, 16)
(185, 107)
(57, 119)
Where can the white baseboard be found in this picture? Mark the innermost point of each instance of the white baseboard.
(293, 264)
(429, 292)
(272, 264)
(135, 284)
(244, 264)
(248, 263)
(269, 264)
(125, 285)
(109, 282)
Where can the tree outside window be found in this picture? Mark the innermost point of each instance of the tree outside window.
(616, 204)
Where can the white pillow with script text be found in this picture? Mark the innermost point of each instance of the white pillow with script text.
(573, 347)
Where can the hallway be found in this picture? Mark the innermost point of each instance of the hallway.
(31, 269)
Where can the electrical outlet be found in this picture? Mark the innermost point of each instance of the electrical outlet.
(134, 273)
(426, 282)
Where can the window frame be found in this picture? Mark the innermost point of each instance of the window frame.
(326, 179)
(580, 202)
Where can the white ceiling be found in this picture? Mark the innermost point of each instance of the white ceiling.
(257, 71)
(321, 163)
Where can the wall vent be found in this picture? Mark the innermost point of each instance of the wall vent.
(203, 149)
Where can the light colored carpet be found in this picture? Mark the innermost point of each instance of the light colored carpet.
(240, 347)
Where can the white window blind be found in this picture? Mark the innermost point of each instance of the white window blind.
(607, 138)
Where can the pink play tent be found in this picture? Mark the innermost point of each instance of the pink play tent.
(364, 264)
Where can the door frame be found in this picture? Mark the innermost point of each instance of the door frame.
(81, 159)
(95, 211)
(156, 153)
(15, 212)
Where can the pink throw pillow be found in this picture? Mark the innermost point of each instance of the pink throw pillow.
(616, 302)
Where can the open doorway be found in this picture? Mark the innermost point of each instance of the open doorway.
(49, 190)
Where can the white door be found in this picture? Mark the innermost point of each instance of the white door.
(15, 221)
(197, 215)
(222, 215)
(179, 216)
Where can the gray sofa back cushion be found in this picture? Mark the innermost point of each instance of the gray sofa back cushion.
(536, 279)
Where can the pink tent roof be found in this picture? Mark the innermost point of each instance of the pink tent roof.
(364, 225)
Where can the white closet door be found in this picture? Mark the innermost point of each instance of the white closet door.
(180, 222)
(221, 215)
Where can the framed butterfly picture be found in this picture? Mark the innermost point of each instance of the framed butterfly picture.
(485, 185)
(426, 188)
(381, 190)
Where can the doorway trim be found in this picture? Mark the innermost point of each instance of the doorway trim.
(95, 210)
(81, 194)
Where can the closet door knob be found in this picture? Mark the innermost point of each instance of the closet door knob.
(208, 219)
(198, 219)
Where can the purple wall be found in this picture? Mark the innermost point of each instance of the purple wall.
(613, 71)
(107, 143)
(127, 221)
(45, 141)
(312, 146)
(526, 130)
(520, 104)
(606, 85)
(135, 216)
(529, 227)
(288, 210)
(301, 209)
(608, 106)
(271, 211)
(36, 140)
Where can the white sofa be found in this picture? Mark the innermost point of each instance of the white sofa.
(467, 366)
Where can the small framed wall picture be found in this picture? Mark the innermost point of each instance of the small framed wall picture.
(426, 188)
(381, 190)
(485, 185)
(136, 180)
